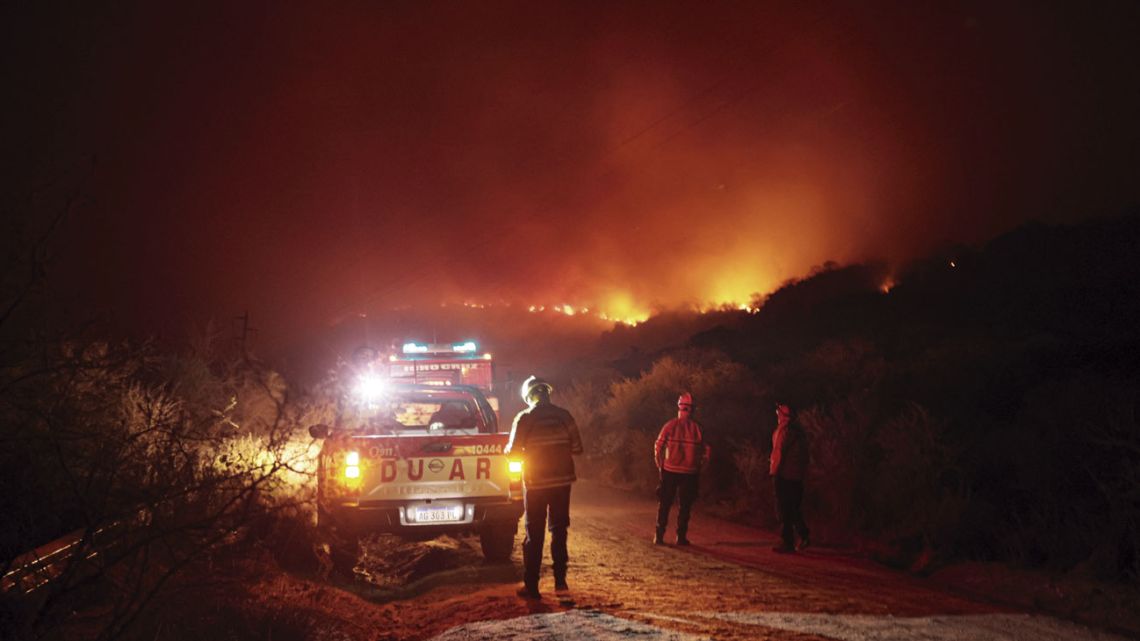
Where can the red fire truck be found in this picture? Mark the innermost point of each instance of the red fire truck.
(443, 364)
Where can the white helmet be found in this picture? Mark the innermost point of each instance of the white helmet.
(531, 385)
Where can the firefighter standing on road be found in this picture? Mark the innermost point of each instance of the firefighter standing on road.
(679, 451)
(788, 467)
(545, 436)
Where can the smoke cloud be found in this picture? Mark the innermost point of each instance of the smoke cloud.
(311, 164)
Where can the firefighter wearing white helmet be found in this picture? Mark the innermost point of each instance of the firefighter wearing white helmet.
(544, 436)
(679, 452)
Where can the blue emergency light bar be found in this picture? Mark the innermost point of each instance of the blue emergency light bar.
(469, 347)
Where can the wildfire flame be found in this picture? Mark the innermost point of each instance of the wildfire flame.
(620, 307)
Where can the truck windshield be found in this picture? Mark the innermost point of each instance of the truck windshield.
(420, 414)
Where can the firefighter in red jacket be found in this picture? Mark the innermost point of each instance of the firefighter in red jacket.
(788, 467)
(546, 436)
(679, 451)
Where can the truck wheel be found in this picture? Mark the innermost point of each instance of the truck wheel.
(498, 541)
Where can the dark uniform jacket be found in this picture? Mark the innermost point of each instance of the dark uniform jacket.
(789, 453)
(545, 436)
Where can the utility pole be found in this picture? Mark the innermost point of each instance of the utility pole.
(245, 338)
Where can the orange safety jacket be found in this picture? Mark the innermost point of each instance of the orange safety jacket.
(680, 447)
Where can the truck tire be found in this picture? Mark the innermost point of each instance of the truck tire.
(498, 540)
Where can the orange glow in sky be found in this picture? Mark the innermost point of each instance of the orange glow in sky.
(646, 157)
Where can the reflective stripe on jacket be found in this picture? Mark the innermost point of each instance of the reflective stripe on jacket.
(680, 447)
(545, 436)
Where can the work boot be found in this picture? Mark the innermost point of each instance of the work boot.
(804, 543)
(560, 585)
(681, 540)
(659, 538)
(784, 548)
(529, 592)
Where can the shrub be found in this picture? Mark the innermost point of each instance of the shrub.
(916, 489)
(153, 460)
(1071, 460)
(724, 393)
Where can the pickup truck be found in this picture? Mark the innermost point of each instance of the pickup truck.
(421, 460)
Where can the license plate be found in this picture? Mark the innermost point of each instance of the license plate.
(443, 514)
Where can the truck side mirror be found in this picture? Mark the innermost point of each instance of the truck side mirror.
(320, 430)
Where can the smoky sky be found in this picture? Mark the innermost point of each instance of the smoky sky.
(315, 161)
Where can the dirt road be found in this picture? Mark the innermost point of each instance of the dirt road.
(728, 585)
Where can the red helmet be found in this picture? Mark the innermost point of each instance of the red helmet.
(685, 402)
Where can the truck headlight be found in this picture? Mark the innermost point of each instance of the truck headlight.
(514, 467)
(369, 388)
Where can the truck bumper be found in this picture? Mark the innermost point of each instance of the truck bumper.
(398, 517)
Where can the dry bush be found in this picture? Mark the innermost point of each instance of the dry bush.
(753, 494)
(620, 461)
(153, 461)
(1116, 438)
(634, 411)
(838, 464)
(917, 493)
(1073, 498)
(584, 398)
(892, 479)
